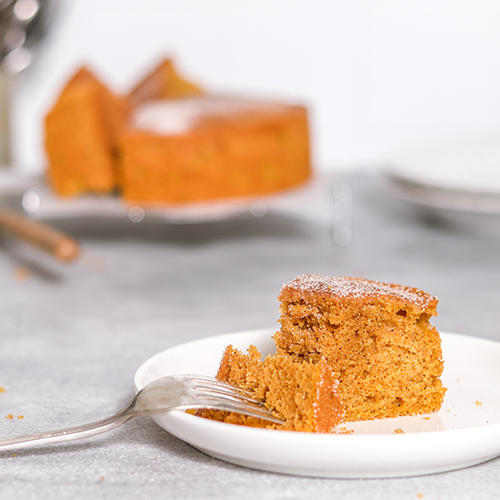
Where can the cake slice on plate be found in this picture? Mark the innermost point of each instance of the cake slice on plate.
(376, 337)
(349, 349)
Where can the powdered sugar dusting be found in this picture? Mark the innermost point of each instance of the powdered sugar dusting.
(178, 116)
(354, 288)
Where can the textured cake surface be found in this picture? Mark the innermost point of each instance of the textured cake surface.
(376, 337)
(81, 134)
(211, 147)
(303, 394)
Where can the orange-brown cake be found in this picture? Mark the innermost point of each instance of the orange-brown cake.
(376, 337)
(81, 134)
(303, 394)
(164, 82)
(168, 143)
(210, 147)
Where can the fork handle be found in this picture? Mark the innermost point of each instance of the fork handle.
(69, 434)
(45, 237)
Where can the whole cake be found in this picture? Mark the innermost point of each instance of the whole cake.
(303, 394)
(211, 147)
(376, 337)
(167, 142)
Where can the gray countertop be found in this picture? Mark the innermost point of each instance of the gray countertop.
(72, 337)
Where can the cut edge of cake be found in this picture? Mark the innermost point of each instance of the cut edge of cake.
(304, 395)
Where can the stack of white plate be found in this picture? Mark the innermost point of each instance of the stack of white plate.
(459, 177)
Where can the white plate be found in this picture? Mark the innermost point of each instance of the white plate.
(312, 201)
(444, 200)
(466, 431)
(471, 166)
(48, 206)
(462, 177)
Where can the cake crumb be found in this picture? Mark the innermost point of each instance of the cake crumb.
(478, 403)
(95, 262)
(345, 430)
(22, 273)
(420, 495)
(425, 418)
(399, 431)
(20, 417)
(14, 455)
(9, 416)
(101, 478)
(2, 389)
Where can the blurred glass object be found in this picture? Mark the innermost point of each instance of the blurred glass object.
(258, 208)
(31, 200)
(23, 24)
(4, 120)
(136, 214)
(342, 217)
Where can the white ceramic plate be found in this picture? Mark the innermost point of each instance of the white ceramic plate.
(463, 177)
(311, 202)
(48, 206)
(466, 431)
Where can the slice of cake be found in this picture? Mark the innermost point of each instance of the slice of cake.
(81, 134)
(164, 82)
(303, 394)
(376, 337)
(212, 147)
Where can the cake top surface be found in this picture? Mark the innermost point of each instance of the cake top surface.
(178, 116)
(314, 286)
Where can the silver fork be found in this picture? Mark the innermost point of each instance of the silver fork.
(176, 392)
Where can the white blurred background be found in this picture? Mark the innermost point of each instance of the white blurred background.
(378, 76)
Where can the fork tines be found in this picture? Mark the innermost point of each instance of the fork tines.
(216, 394)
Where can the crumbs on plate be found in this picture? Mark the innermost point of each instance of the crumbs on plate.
(345, 430)
(399, 431)
(22, 274)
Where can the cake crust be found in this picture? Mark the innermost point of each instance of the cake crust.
(315, 288)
